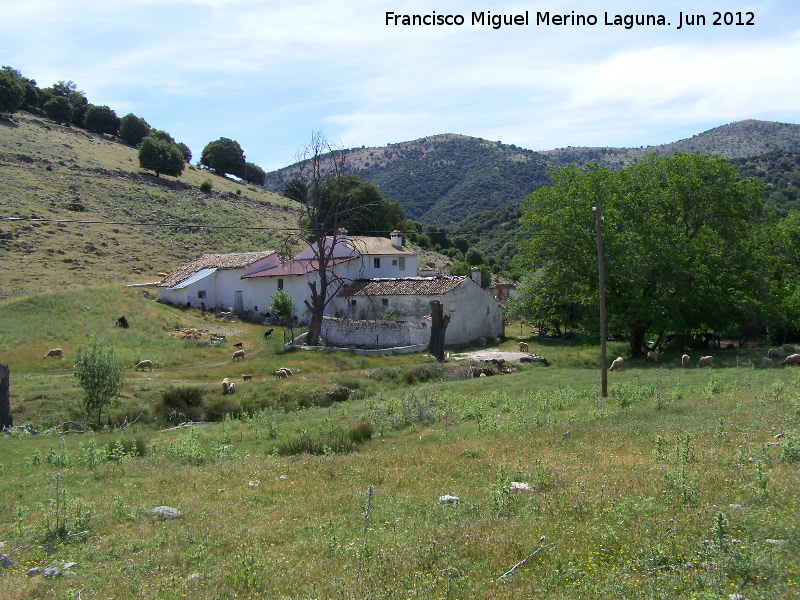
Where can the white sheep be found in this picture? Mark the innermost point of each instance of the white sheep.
(246, 377)
(238, 354)
(144, 365)
(706, 361)
(523, 346)
(652, 356)
(685, 360)
(772, 353)
(281, 374)
(767, 362)
(287, 370)
(792, 359)
(617, 364)
(55, 352)
(226, 384)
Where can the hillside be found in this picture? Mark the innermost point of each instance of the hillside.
(444, 179)
(69, 178)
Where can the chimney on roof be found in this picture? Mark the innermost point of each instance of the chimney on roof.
(397, 238)
(445, 270)
(341, 235)
(476, 275)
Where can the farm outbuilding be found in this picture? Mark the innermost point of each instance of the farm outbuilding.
(474, 313)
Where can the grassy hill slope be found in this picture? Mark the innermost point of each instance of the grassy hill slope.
(58, 173)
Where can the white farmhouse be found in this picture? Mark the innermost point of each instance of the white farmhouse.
(215, 281)
(354, 257)
(370, 276)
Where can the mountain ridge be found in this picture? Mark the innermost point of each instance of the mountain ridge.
(445, 178)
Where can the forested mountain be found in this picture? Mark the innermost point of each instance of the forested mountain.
(441, 179)
(779, 171)
(444, 179)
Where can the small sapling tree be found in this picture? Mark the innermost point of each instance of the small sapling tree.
(99, 373)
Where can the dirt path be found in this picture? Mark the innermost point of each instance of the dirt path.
(488, 354)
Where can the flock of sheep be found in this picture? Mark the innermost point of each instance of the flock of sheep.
(228, 387)
(708, 361)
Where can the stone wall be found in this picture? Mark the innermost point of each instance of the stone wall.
(374, 334)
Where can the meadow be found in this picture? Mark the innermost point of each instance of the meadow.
(680, 484)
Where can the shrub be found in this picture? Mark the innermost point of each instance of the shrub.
(181, 403)
(206, 186)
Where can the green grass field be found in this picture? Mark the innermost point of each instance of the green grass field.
(680, 484)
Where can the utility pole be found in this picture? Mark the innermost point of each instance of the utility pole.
(601, 269)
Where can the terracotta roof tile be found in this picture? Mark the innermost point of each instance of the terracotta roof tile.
(207, 261)
(412, 286)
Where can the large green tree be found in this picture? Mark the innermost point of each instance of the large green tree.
(254, 174)
(224, 156)
(132, 129)
(679, 241)
(361, 207)
(77, 99)
(101, 119)
(158, 152)
(58, 109)
(12, 92)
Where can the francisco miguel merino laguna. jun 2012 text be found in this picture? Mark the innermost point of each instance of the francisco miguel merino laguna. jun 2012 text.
(496, 21)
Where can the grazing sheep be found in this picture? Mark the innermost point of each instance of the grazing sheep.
(239, 345)
(617, 364)
(231, 388)
(685, 360)
(226, 384)
(281, 374)
(767, 362)
(482, 375)
(652, 356)
(122, 322)
(789, 348)
(267, 333)
(238, 354)
(792, 359)
(246, 377)
(772, 353)
(498, 340)
(483, 342)
(706, 361)
(55, 352)
(144, 365)
(523, 346)
(288, 371)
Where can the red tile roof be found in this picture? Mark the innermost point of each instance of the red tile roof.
(412, 286)
(293, 267)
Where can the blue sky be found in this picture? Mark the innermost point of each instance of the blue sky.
(267, 74)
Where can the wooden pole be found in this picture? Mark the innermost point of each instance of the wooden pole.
(6, 420)
(601, 270)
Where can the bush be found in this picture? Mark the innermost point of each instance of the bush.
(206, 186)
(181, 403)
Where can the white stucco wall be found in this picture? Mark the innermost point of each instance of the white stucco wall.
(474, 313)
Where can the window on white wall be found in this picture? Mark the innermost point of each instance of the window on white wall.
(376, 262)
(201, 294)
(402, 265)
(280, 284)
(353, 302)
(385, 301)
